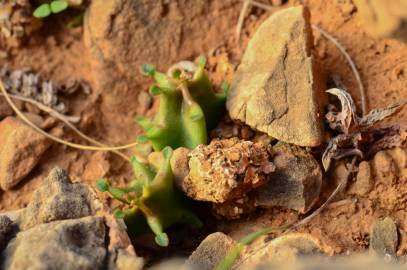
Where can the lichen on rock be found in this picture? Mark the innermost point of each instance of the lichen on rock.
(58, 199)
(226, 170)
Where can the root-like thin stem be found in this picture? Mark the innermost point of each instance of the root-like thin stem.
(45, 108)
(288, 228)
(242, 15)
(351, 64)
(52, 137)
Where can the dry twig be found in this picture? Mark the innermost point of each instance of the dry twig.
(101, 146)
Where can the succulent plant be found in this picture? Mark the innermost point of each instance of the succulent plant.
(151, 199)
(53, 7)
(188, 106)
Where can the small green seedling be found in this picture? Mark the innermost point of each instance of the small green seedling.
(151, 199)
(53, 7)
(188, 106)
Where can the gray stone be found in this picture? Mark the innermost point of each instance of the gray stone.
(57, 199)
(68, 244)
(276, 88)
(296, 182)
(210, 252)
(383, 237)
(6, 231)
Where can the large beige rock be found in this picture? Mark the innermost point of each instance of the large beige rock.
(276, 88)
(20, 150)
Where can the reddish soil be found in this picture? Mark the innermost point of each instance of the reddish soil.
(58, 54)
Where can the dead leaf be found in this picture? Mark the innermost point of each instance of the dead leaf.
(385, 138)
(341, 146)
(377, 115)
(342, 120)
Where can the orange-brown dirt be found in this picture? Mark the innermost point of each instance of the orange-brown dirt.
(58, 54)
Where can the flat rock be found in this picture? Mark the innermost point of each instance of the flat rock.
(295, 183)
(21, 149)
(277, 89)
(6, 230)
(384, 237)
(69, 244)
(210, 252)
(283, 250)
(57, 199)
(226, 169)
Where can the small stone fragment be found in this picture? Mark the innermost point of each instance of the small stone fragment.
(57, 199)
(125, 261)
(210, 252)
(385, 169)
(399, 156)
(6, 230)
(234, 209)
(226, 169)
(276, 88)
(283, 250)
(68, 244)
(296, 182)
(383, 18)
(20, 150)
(384, 237)
(364, 180)
(179, 165)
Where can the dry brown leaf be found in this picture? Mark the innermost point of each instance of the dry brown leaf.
(341, 146)
(377, 115)
(343, 119)
(344, 145)
(385, 138)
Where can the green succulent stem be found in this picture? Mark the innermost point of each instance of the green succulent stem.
(188, 107)
(152, 200)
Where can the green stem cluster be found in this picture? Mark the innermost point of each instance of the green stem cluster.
(188, 109)
(151, 199)
(188, 106)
